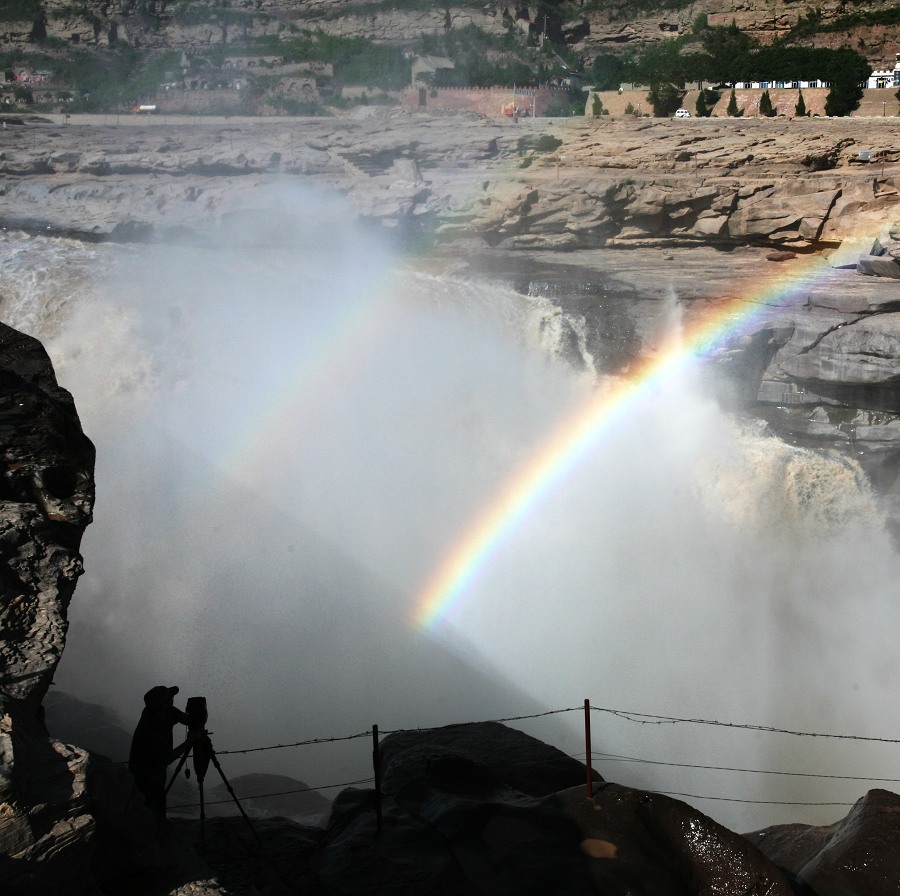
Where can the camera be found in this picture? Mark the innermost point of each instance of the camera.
(195, 710)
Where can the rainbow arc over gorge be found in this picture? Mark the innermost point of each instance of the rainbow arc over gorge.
(582, 433)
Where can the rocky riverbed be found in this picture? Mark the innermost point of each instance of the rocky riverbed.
(559, 184)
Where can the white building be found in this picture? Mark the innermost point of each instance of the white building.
(886, 77)
(779, 84)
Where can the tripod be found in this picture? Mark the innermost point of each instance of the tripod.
(203, 753)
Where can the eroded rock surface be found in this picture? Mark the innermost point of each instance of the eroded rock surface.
(544, 184)
(47, 500)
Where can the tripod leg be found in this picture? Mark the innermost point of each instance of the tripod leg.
(202, 816)
(178, 768)
(237, 802)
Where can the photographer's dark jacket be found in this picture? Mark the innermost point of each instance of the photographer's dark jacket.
(153, 743)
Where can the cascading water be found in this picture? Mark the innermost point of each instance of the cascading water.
(292, 432)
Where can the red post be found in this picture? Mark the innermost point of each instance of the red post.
(587, 745)
(376, 762)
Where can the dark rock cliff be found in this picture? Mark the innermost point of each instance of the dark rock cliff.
(46, 501)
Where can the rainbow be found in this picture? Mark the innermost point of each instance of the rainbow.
(582, 432)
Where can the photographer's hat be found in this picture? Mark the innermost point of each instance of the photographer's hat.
(159, 696)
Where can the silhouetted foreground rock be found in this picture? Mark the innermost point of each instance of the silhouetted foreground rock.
(856, 856)
(46, 500)
(479, 809)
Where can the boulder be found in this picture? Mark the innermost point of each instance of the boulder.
(519, 761)
(856, 856)
(879, 266)
(473, 809)
(860, 353)
(847, 255)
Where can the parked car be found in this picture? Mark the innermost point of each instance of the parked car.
(682, 113)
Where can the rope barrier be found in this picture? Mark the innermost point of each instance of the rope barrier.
(537, 715)
(628, 715)
(261, 796)
(611, 757)
(299, 743)
(648, 719)
(728, 799)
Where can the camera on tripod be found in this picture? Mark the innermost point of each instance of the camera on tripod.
(203, 753)
(196, 712)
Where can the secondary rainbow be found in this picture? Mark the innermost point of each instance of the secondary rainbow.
(581, 433)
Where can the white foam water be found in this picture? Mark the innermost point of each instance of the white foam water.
(291, 436)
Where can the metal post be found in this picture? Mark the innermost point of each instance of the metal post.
(376, 762)
(587, 745)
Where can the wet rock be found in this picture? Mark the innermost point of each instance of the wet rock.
(471, 808)
(856, 856)
(46, 496)
(862, 352)
(521, 762)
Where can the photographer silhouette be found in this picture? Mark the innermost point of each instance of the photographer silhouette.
(152, 747)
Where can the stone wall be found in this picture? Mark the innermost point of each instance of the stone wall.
(875, 102)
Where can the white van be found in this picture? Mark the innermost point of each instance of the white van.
(682, 113)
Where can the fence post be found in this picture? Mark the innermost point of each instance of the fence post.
(587, 745)
(376, 762)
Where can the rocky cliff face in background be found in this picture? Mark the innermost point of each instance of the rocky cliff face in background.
(589, 29)
(47, 500)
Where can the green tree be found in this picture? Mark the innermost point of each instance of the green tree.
(665, 99)
(846, 70)
(658, 64)
(597, 106)
(765, 105)
(733, 110)
(606, 72)
(700, 106)
(25, 10)
(706, 101)
(726, 48)
(800, 108)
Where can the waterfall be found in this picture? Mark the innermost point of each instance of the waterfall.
(292, 432)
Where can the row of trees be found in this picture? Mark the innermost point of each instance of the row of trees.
(724, 55)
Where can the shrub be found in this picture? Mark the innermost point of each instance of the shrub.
(544, 143)
(800, 108)
(765, 105)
